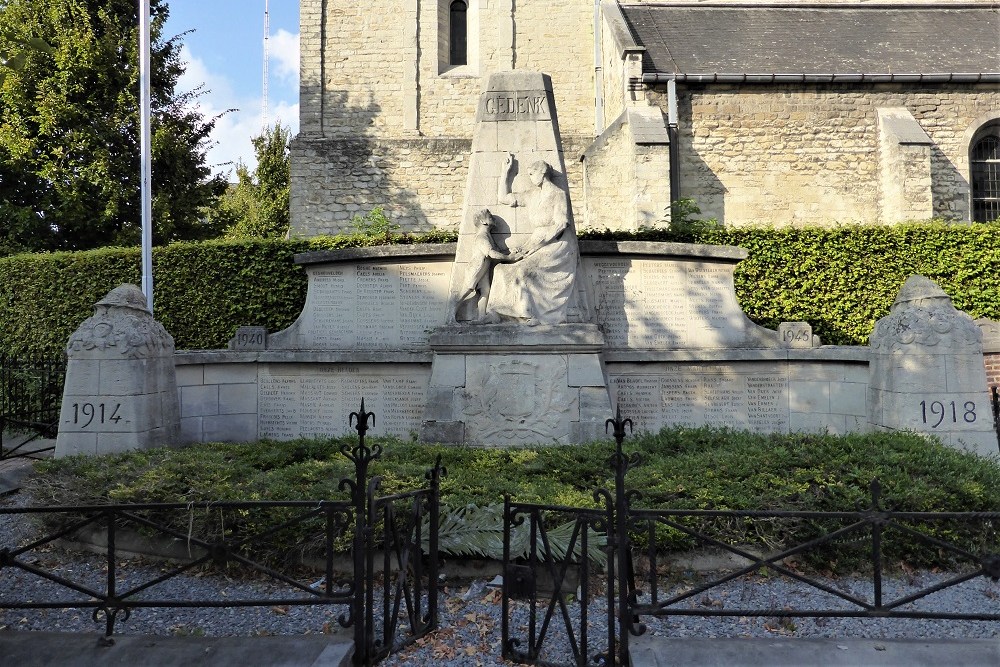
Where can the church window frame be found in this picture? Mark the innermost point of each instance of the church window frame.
(984, 173)
(450, 33)
(458, 33)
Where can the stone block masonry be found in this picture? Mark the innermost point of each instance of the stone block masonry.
(810, 154)
(419, 182)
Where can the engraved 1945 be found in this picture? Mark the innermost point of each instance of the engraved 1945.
(936, 413)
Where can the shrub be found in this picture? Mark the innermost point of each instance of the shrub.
(840, 280)
(684, 468)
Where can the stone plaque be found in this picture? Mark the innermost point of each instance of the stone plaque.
(249, 339)
(369, 306)
(514, 105)
(304, 401)
(670, 304)
(927, 371)
(756, 401)
(795, 334)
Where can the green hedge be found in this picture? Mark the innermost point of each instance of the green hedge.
(840, 280)
(203, 291)
(843, 279)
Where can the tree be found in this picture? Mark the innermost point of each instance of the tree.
(69, 131)
(13, 50)
(256, 206)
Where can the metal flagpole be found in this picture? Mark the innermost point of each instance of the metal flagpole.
(144, 144)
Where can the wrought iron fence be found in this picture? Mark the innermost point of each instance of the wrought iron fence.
(541, 576)
(633, 532)
(30, 397)
(403, 527)
(995, 403)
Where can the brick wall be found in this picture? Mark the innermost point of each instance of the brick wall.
(992, 361)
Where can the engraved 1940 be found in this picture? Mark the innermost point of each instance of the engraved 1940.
(937, 412)
(85, 414)
(246, 338)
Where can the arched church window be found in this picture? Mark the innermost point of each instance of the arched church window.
(458, 31)
(984, 174)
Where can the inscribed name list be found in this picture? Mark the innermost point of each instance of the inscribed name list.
(754, 401)
(318, 401)
(376, 306)
(657, 304)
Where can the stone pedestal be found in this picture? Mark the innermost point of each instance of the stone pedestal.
(121, 387)
(927, 373)
(512, 384)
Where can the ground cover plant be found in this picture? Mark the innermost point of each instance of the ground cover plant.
(683, 468)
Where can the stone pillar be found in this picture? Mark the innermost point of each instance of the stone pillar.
(121, 386)
(516, 385)
(904, 167)
(926, 371)
(521, 360)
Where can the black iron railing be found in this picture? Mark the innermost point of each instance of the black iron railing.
(631, 531)
(402, 527)
(30, 397)
(995, 403)
(869, 529)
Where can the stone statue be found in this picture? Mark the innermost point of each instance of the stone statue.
(537, 284)
(483, 250)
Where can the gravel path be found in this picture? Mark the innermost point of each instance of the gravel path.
(470, 613)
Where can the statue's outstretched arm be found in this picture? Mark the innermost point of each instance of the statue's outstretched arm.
(504, 195)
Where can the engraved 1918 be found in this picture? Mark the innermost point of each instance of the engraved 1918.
(936, 413)
(85, 414)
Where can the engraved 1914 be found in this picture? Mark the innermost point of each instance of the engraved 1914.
(936, 413)
(95, 414)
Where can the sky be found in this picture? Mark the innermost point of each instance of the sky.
(224, 53)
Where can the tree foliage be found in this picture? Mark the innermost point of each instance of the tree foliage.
(69, 130)
(257, 205)
(14, 50)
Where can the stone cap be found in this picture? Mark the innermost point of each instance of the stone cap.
(125, 296)
(920, 291)
(518, 338)
(664, 249)
(991, 334)
(402, 251)
(519, 79)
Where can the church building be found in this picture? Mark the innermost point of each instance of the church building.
(787, 113)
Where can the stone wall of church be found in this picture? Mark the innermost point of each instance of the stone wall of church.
(385, 75)
(809, 155)
(386, 122)
(419, 182)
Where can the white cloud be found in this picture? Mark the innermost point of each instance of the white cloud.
(233, 129)
(284, 52)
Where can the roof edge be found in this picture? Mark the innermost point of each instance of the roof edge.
(652, 78)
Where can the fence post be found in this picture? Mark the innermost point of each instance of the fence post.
(434, 475)
(622, 463)
(995, 400)
(361, 455)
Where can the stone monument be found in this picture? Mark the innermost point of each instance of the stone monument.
(520, 359)
(927, 371)
(121, 388)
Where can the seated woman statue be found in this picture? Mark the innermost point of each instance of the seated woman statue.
(537, 285)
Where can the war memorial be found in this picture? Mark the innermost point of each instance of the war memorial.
(519, 333)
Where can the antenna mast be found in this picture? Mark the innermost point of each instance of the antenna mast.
(267, 33)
